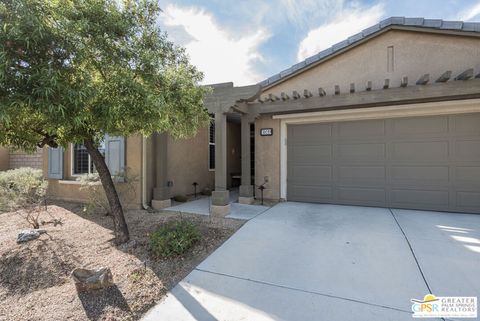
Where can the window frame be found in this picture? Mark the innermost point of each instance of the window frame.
(91, 169)
(211, 126)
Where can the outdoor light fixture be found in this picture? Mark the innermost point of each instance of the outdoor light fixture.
(195, 184)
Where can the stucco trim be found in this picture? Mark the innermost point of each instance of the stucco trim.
(399, 111)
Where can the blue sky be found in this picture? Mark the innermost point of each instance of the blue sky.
(246, 41)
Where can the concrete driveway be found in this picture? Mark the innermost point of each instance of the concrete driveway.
(301, 261)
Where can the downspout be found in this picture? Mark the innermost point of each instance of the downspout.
(144, 173)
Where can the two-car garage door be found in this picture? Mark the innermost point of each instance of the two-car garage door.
(421, 163)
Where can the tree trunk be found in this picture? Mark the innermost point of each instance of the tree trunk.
(120, 226)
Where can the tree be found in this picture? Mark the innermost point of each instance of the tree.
(72, 71)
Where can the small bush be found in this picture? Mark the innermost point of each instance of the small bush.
(180, 198)
(175, 238)
(23, 190)
(124, 182)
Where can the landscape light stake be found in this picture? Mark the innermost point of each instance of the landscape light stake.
(261, 188)
(195, 184)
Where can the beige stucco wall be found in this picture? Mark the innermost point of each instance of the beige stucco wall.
(4, 158)
(267, 157)
(68, 189)
(234, 144)
(415, 54)
(188, 163)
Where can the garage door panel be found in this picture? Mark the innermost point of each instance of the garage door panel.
(468, 199)
(361, 172)
(311, 173)
(422, 173)
(361, 152)
(423, 197)
(466, 124)
(310, 133)
(468, 173)
(358, 130)
(467, 150)
(420, 151)
(375, 196)
(420, 125)
(311, 193)
(420, 163)
(311, 154)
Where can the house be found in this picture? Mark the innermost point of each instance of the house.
(388, 117)
(11, 159)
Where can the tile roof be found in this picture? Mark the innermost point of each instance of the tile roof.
(389, 22)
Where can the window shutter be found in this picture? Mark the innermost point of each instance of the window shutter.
(55, 163)
(115, 154)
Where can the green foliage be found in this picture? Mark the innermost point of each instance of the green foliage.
(175, 238)
(21, 188)
(73, 70)
(124, 182)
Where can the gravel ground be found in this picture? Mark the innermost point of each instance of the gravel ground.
(35, 281)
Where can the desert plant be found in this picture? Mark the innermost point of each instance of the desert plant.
(23, 190)
(174, 238)
(124, 183)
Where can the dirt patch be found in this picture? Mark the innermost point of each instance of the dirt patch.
(35, 279)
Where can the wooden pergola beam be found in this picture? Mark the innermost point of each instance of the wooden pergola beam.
(368, 86)
(466, 75)
(423, 80)
(393, 96)
(445, 76)
(337, 90)
(386, 84)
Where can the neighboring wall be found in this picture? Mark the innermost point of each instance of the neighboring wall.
(188, 163)
(22, 159)
(69, 189)
(414, 54)
(4, 158)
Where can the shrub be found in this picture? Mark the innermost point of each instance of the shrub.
(174, 238)
(23, 190)
(97, 201)
(180, 198)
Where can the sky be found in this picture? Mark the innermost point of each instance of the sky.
(246, 41)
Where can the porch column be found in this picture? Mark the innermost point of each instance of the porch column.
(246, 188)
(220, 196)
(161, 195)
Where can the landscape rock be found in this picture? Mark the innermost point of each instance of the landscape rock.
(86, 279)
(28, 235)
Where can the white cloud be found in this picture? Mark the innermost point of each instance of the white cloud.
(221, 55)
(345, 24)
(470, 13)
(303, 12)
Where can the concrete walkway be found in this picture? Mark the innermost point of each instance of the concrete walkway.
(301, 261)
(202, 206)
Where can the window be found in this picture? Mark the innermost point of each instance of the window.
(211, 144)
(81, 160)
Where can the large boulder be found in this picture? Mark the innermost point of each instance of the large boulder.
(28, 235)
(86, 279)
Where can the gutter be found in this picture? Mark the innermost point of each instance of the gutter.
(144, 173)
